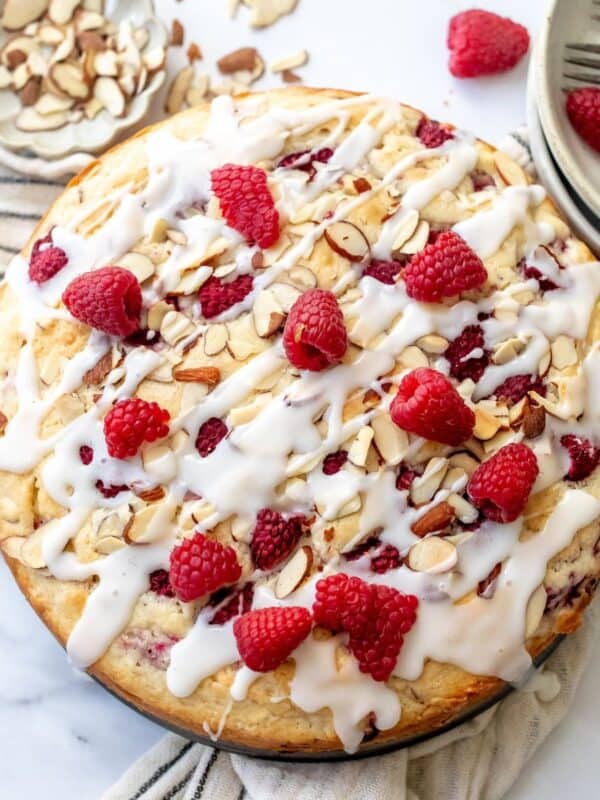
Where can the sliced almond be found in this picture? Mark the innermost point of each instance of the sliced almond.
(208, 375)
(433, 555)
(157, 313)
(139, 264)
(5, 77)
(31, 551)
(175, 327)
(92, 108)
(177, 237)
(486, 425)
(418, 240)
(294, 572)
(405, 229)
(242, 59)
(424, 486)
(347, 240)
(65, 48)
(563, 352)
(105, 63)
(95, 375)
(70, 79)
(435, 519)
(267, 314)
(30, 120)
(544, 364)
(49, 34)
(108, 545)
(192, 280)
(177, 91)
(359, 449)
(89, 20)
(50, 103)
(215, 339)
(177, 33)
(285, 294)
(464, 461)
(21, 75)
(292, 61)
(303, 277)
(18, 13)
(30, 92)
(433, 344)
(196, 94)
(412, 357)
(390, 440)
(15, 57)
(535, 610)
(137, 531)
(61, 11)
(154, 59)
(465, 512)
(108, 92)
(89, 41)
(533, 420)
(507, 350)
(510, 172)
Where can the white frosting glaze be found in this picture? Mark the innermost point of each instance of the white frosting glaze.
(484, 636)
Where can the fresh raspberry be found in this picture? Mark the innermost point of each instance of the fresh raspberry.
(546, 285)
(444, 268)
(314, 336)
(46, 260)
(274, 538)
(333, 462)
(209, 435)
(239, 602)
(383, 271)
(501, 485)
(432, 133)
(405, 478)
(342, 603)
(319, 157)
(583, 110)
(427, 404)
(200, 566)
(386, 559)
(86, 454)
(583, 454)
(462, 366)
(108, 299)
(268, 636)
(160, 583)
(246, 203)
(481, 180)
(132, 422)
(112, 490)
(514, 389)
(391, 615)
(483, 43)
(217, 296)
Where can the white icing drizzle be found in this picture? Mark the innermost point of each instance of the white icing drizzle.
(483, 636)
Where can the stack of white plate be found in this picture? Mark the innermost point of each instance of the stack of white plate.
(566, 165)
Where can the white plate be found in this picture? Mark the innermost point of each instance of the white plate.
(88, 135)
(567, 21)
(549, 175)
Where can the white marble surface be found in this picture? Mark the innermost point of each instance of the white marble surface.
(62, 736)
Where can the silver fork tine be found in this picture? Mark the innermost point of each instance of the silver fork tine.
(594, 49)
(584, 62)
(584, 77)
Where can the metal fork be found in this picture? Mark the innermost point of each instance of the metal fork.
(577, 52)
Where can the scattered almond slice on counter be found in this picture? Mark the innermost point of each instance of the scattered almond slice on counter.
(291, 62)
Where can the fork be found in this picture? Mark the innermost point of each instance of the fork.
(578, 56)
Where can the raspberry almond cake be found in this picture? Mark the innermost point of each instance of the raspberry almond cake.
(300, 421)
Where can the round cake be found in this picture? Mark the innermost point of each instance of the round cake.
(299, 414)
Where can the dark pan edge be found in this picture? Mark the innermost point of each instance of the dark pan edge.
(365, 751)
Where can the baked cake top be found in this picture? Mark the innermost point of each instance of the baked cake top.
(332, 311)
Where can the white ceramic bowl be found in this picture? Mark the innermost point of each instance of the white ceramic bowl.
(567, 21)
(88, 135)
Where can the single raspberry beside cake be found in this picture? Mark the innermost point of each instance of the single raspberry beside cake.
(268, 636)
(500, 487)
(314, 336)
(483, 43)
(428, 405)
(108, 299)
(200, 566)
(132, 422)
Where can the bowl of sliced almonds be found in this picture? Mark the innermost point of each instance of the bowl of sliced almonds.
(75, 74)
